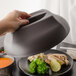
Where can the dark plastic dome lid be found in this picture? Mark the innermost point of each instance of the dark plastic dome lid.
(44, 31)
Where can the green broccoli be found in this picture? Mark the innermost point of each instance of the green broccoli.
(32, 67)
(38, 66)
(39, 61)
(43, 69)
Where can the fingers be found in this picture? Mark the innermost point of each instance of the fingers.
(24, 15)
(24, 21)
(21, 14)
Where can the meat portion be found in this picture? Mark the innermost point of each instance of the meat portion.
(59, 57)
(34, 57)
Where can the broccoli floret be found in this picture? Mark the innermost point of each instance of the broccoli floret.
(38, 66)
(42, 69)
(39, 62)
(32, 67)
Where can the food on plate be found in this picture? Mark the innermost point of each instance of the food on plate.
(59, 57)
(43, 69)
(4, 62)
(34, 57)
(55, 65)
(38, 66)
(41, 60)
(32, 67)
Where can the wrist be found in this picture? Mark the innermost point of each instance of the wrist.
(3, 26)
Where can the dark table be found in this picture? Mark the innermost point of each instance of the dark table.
(72, 72)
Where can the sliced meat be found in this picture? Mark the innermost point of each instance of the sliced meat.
(59, 57)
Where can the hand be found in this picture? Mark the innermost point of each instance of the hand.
(14, 20)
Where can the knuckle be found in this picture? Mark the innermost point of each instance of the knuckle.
(15, 11)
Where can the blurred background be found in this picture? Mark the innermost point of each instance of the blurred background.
(64, 8)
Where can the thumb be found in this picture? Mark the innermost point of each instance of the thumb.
(24, 21)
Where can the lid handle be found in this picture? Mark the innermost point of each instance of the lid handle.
(36, 17)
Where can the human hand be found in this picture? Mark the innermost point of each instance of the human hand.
(14, 20)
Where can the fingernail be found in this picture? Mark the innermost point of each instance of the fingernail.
(27, 21)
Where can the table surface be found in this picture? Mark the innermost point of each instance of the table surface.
(18, 72)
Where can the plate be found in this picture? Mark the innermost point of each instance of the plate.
(24, 65)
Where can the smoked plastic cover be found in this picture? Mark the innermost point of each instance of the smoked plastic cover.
(44, 31)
